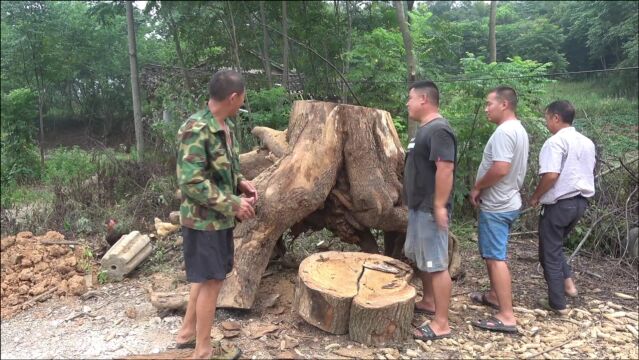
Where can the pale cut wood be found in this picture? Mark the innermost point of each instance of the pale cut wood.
(170, 300)
(365, 295)
(383, 308)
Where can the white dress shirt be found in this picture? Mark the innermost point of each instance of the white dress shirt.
(573, 156)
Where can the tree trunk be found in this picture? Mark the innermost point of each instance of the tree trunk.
(365, 295)
(266, 54)
(492, 41)
(349, 45)
(285, 40)
(40, 112)
(410, 59)
(135, 88)
(178, 50)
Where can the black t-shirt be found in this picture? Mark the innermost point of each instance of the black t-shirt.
(433, 142)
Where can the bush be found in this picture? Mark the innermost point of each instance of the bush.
(270, 107)
(20, 159)
(463, 104)
(65, 166)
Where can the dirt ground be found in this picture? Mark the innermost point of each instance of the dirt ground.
(116, 319)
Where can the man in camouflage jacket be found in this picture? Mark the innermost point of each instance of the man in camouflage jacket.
(214, 194)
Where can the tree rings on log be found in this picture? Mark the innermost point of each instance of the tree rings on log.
(365, 295)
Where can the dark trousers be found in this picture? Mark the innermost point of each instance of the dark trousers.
(555, 223)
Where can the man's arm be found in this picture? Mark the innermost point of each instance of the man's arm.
(547, 181)
(192, 176)
(497, 171)
(443, 187)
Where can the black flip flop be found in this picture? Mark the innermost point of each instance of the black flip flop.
(423, 311)
(482, 299)
(494, 324)
(185, 345)
(428, 334)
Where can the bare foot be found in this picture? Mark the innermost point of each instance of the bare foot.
(570, 288)
(184, 336)
(439, 329)
(508, 321)
(425, 305)
(202, 354)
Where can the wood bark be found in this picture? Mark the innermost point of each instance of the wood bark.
(366, 295)
(135, 88)
(492, 41)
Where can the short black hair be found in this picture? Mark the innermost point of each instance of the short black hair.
(432, 92)
(506, 93)
(562, 108)
(225, 82)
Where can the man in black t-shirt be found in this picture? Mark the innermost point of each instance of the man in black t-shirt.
(428, 186)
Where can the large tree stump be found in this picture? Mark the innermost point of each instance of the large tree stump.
(338, 167)
(367, 296)
(322, 138)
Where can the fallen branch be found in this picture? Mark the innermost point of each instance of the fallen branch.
(523, 233)
(593, 274)
(553, 348)
(42, 296)
(581, 243)
(59, 242)
(622, 165)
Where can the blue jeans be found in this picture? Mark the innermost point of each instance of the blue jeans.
(494, 228)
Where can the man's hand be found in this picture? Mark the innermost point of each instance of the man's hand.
(474, 196)
(246, 187)
(244, 211)
(441, 217)
(534, 201)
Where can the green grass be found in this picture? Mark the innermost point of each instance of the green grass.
(29, 194)
(610, 121)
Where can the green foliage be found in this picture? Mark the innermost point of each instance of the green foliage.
(270, 107)
(379, 69)
(65, 166)
(20, 160)
(463, 104)
(103, 277)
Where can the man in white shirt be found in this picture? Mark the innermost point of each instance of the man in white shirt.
(496, 192)
(566, 165)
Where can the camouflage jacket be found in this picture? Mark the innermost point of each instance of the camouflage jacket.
(208, 173)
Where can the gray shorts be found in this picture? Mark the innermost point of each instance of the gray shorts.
(208, 255)
(426, 244)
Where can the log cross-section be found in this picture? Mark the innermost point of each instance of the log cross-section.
(367, 296)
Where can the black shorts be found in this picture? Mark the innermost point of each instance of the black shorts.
(207, 254)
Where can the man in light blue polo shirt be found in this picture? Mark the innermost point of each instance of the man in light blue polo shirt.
(496, 193)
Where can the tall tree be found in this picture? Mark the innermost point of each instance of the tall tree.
(266, 53)
(135, 87)
(285, 40)
(175, 32)
(349, 46)
(492, 43)
(410, 59)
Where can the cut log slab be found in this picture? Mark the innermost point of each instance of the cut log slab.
(170, 300)
(365, 295)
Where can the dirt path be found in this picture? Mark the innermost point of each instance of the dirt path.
(119, 320)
